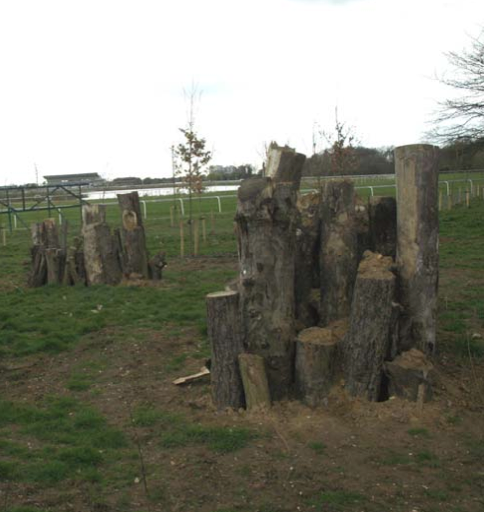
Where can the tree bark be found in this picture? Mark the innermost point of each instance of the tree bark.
(47, 258)
(316, 357)
(307, 259)
(227, 343)
(367, 342)
(133, 235)
(410, 376)
(254, 379)
(266, 231)
(383, 225)
(417, 171)
(339, 251)
(101, 257)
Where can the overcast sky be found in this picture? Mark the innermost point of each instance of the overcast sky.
(97, 85)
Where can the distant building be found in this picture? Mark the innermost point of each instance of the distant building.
(86, 178)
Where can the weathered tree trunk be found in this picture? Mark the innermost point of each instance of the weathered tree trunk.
(367, 342)
(316, 357)
(254, 379)
(338, 254)
(133, 235)
(383, 225)
(53, 258)
(307, 259)
(410, 376)
(101, 258)
(227, 343)
(417, 171)
(74, 270)
(266, 230)
(47, 257)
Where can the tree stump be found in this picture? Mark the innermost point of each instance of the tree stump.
(338, 253)
(266, 231)
(156, 265)
(367, 342)
(410, 376)
(417, 172)
(133, 236)
(226, 342)
(254, 379)
(47, 257)
(101, 257)
(383, 225)
(316, 357)
(307, 259)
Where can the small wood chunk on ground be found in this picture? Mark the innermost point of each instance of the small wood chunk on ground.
(410, 376)
(254, 378)
(315, 364)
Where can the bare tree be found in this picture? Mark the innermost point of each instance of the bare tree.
(191, 158)
(342, 141)
(462, 117)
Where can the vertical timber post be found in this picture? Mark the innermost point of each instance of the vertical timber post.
(417, 174)
(266, 222)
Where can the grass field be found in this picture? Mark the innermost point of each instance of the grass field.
(90, 419)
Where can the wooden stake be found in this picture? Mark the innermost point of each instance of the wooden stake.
(204, 230)
(195, 237)
(182, 240)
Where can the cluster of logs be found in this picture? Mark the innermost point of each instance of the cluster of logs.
(99, 255)
(329, 288)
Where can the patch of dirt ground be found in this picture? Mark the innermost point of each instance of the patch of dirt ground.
(351, 455)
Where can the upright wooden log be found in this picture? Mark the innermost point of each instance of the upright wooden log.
(383, 225)
(417, 171)
(254, 379)
(133, 236)
(307, 258)
(47, 257)
(266, 221)
(339, 250)
(101, 256)
(156, 265)
(367, 342)
(316, 357)
(227, 343)
(282, 161)
(410, 376)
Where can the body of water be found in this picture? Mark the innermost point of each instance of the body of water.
(100, 195)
